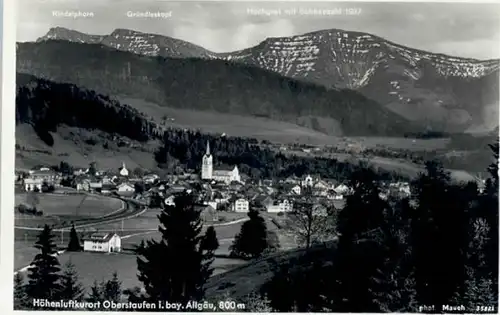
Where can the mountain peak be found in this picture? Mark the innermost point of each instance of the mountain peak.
(62, 33)
(132, 41)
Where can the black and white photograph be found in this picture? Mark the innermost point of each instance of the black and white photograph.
(268, 156)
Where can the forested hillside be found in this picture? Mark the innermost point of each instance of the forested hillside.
(214, 85)
(45, 105)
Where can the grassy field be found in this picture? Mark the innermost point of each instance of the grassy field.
(55, 204)
(232, 125)
(100, 266)
(134, 231)
(58, 209)
(396, 143)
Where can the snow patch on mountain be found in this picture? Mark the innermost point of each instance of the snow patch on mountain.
(341, 58)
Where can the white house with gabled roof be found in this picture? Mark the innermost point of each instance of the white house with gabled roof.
(102, 242)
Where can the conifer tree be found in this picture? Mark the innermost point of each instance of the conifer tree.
(20, 298)
(175, 268)
(43, 273)
(252, 240)
(112, 289)
(439, 246)
(71, 288)
(209, 241)
(362, 246)
(481, 287)
(95, 294)
(74, 242)
(491, 207)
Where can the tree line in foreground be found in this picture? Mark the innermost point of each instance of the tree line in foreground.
(437, 248)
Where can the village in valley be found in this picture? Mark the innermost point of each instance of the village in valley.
(224, 158)
(223, 194)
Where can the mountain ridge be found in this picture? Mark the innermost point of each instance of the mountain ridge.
(436, 90)
(194, 83)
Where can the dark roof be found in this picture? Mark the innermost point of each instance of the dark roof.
(100, 237)
(261, 198)
(108, 186)
(224, 167)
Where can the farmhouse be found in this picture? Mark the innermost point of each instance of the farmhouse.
(102, 242)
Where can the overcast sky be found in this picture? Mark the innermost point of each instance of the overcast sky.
(458, 29)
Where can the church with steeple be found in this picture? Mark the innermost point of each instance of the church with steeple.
(226, 176)
(207, 164)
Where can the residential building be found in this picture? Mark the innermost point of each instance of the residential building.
(297, 190)
(150, 178)
(125, 189)
(333, 195)
(102, 242)
(46, 175)
(241, 205)
(32, 184)
(169, 201)
(107, 188)
(341, 189)
(95, 184)
(321, 185)
(80, 171)
(308, 181)
(83, 184)
(213, 204)
(292, 180)
(280, 206)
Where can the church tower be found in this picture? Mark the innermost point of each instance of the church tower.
(207, 164)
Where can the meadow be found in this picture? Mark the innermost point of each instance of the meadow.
(69, 204)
